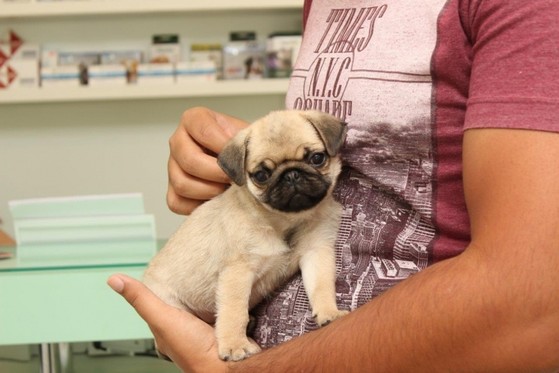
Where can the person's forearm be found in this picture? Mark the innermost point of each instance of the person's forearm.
(435, 321)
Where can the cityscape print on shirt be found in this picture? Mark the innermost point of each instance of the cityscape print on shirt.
(369, 64)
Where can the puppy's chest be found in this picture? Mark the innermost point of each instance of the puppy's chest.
(273, 257)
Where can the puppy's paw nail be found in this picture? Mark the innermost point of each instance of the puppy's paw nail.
(324, 319)
(238, 350)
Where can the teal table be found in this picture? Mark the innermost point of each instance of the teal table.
(52, 302)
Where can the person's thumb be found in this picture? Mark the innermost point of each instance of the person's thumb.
(144, 301)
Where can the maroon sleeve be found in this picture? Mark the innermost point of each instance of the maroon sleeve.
(515, 64)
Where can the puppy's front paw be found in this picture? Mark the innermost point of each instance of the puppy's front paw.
(325, 318)
(235, 350)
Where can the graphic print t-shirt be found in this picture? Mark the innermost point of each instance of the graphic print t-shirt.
(404, 87)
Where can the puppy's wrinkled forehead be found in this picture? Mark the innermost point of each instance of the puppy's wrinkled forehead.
(281, 138)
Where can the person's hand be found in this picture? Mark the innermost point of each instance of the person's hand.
(188, 341)
(194, 176)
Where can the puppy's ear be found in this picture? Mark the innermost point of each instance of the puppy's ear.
(232, 158)
(331, 130)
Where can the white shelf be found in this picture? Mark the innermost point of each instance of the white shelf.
(75, 8)
(222, 88)
(43, 10)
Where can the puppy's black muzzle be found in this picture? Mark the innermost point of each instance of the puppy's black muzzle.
(297, 190)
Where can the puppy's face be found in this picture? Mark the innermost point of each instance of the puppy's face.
(287, 160)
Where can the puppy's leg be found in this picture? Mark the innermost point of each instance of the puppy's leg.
(233, 294)
(318, 267)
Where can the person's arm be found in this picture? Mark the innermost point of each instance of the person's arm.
(494, 308)
(194, 176)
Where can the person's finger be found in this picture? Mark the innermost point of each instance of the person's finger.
(190, 186)
(229, 124)
(144, 301)
(211, 130)
(181, 205)
(194, 160)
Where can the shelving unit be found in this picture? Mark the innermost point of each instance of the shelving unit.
(100, 8)
(51, 9)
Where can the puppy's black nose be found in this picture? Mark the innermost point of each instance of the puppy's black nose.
(291, 176)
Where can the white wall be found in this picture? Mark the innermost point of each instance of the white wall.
(91, 148)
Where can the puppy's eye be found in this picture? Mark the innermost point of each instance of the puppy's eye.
(261, 176)
(317, 159)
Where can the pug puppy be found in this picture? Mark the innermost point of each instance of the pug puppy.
(278, 216)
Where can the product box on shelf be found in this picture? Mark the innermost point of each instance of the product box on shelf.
(7, 76)
(114, 74)
(19, 63)
(129, 59)
(27, 51)
(242, 36)
(60, 76)
(200, 52)
(23, 67)
(83, 60)
(165, 49)
(77, 58)
(243, 60)
(195, 71)
(156, 73)
(49, 58)
(24, 74)
(25, 62)
(281, 54)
